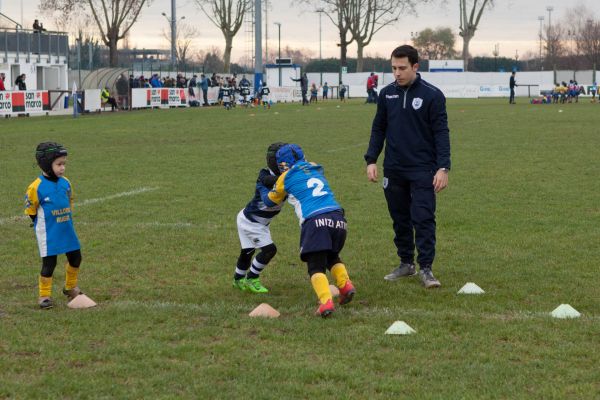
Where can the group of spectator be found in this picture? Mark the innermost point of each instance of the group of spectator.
(19, 82)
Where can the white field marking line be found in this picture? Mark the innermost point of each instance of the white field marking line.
(393, 313)
(347, 147)
(18, 218)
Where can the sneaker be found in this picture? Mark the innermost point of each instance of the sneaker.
(255, 286)
(427, 279)
(240, 284)
(45, 303)
(405, 269)
(325, 310)
(347, 293)
(72, 293)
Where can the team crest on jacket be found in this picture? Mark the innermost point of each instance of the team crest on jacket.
(417, 103)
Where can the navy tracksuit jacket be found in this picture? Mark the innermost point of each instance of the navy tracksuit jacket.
(413, 124)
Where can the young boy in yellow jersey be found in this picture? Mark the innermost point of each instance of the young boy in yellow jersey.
(49, 203)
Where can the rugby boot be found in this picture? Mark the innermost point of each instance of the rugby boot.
(346, 293)
(45, 303)
(72, 293)
(240, 284)
(255, 286)
(325, 310)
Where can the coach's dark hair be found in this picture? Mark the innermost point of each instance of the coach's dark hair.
(406, 51)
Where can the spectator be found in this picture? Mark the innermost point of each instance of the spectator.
(214, 80)
(342, 92)
(204, 83)
(2, 79)
(512, 83)
(313, 93)
(155, 81)
(38, 27)
(20, 82)
(370, 83)
(325, 91)
(108, 99)
(123, 91)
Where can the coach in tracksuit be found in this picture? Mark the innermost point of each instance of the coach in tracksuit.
(411, 119)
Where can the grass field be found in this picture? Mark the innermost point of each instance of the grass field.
(157, 193)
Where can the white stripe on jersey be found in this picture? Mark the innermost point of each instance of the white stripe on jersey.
(40, 232)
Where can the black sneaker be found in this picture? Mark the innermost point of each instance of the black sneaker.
(427, 279)
(405, 269)
(45, 303)
(72, 293)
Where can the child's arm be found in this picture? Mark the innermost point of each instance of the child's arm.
(31, 200)
(278, 194)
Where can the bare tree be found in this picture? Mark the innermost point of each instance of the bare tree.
(228, 16)
(470, 16)
(338, 13)
(367, 17)
(184, 39)
(588, 41)
(553, 44)
(114, 18)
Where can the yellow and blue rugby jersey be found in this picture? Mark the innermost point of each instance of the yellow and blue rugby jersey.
(308, 191)
(52, 204)
(257, 210)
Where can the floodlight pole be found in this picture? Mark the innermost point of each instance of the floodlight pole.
(549, 9)
(541, 19)
(258, 63)
(173, 34)
(320, 11)
(279, 51)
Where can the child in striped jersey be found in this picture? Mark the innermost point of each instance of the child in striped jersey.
(253, 229)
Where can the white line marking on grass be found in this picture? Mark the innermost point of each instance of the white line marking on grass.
(154, 224)
(19, 218)
(116, 196)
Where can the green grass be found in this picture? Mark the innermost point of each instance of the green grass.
(520, 218)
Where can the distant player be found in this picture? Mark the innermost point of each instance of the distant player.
(226, 94)
(323, 231)
(49, 203)
(264, 94)
(342, 92)
(253, 228)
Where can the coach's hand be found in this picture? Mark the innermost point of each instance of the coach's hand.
(440, 180)
(372, 172)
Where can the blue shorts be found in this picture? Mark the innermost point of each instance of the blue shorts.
(324, 232)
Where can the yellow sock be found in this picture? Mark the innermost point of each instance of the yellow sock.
(71, 276)
(45, 286)
(320, 285)
(339, 273)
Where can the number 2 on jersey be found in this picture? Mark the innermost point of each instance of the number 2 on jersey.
(318, 187)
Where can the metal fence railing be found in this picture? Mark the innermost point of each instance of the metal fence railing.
(29, 45)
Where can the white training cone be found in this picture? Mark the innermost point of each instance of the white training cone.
(265, 311)
(81, 301)
(400, 328)
(471, 288)
(335, 292)
(565, 311)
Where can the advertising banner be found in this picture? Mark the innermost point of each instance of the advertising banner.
(24, 102)
(158, 97)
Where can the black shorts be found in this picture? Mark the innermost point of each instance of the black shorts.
(324, 232)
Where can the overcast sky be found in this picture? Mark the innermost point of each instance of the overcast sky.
(513, 24)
